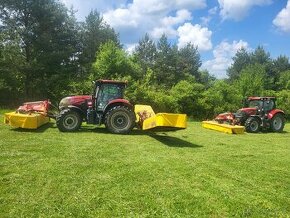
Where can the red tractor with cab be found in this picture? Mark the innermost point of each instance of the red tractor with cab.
(258, 113)
(105, 106)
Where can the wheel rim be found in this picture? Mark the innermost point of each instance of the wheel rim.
(70, 122)
(254, 126)
(120, 121)
(277, 123)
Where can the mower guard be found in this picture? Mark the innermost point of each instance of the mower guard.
(25, 121)
(221, 127)
(148, 119)
(30, 115)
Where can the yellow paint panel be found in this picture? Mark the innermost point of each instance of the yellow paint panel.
(26, 121)
(223, 127)
(148, 119)
(171, 120)
(165, 120)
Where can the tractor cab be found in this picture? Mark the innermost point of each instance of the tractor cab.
(106, 91)
(262, 104)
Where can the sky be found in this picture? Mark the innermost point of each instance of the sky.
(218, 27)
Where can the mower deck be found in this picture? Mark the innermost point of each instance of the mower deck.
(151, 120)
(226, 128)
(25, 121)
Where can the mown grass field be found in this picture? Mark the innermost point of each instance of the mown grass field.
(190, 173)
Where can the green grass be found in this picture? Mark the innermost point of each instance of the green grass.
(190, 173)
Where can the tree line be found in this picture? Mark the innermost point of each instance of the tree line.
(46, 53)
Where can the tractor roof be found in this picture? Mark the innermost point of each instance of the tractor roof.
(260, 98)
(111, 82)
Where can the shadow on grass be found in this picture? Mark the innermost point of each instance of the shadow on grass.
(158, 134)
(171, 141)
(38, 130)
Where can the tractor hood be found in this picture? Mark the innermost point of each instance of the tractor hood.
(249, 110)
(76, 100)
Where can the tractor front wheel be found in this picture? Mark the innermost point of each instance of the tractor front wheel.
(68, 121)
(120, 120)
(252, 125)
(277, 123)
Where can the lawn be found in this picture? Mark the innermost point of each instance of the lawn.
(189, 173)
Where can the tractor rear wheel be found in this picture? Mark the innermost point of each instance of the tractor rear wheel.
(252, 124)
(277, 123)
(68, 121)
(120, 120)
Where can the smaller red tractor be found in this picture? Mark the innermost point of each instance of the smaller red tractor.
(258, 113)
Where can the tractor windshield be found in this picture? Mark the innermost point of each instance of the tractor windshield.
(255, 103)
(266, 105)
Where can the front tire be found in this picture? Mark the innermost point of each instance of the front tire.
(252, 125)
(277, 123)
(120, 120)
(68, 121)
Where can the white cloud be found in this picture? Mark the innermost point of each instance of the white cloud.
(167, 24)
(238, 9)
(130, 47)
(151, 16)
(223, 54)
(195, 34)
(282, 20)
(206, 19)
(83, 7)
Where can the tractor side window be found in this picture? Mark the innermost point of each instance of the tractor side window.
(268, 105)
(108, 93)
(255, 103)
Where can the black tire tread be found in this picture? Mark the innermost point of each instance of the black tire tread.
(59, 120)
(248, 124)
(111, 111)
(283, 123)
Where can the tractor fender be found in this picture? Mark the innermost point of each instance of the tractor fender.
(272, 113)
(78, 110)
(117, 102)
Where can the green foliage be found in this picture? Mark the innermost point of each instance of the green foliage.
(186, 96)
(94, 32)
(241, 60)
(146, 53)
(46, 53)
(112, 62)
(283, 101)
(252, 80)
(284, 80)
(46, 33)
(221, 97)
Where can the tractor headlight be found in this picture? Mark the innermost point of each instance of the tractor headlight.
(65, 102)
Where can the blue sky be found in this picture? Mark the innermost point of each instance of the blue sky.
(218, 27)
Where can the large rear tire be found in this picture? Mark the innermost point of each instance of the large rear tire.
(253, 124)
(120, 120)
(277, 123)
(68, 121)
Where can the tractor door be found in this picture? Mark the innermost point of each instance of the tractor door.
(107, 93)
(269, 105)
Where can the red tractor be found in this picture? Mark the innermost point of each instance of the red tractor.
(258, 113)
(106, 106)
